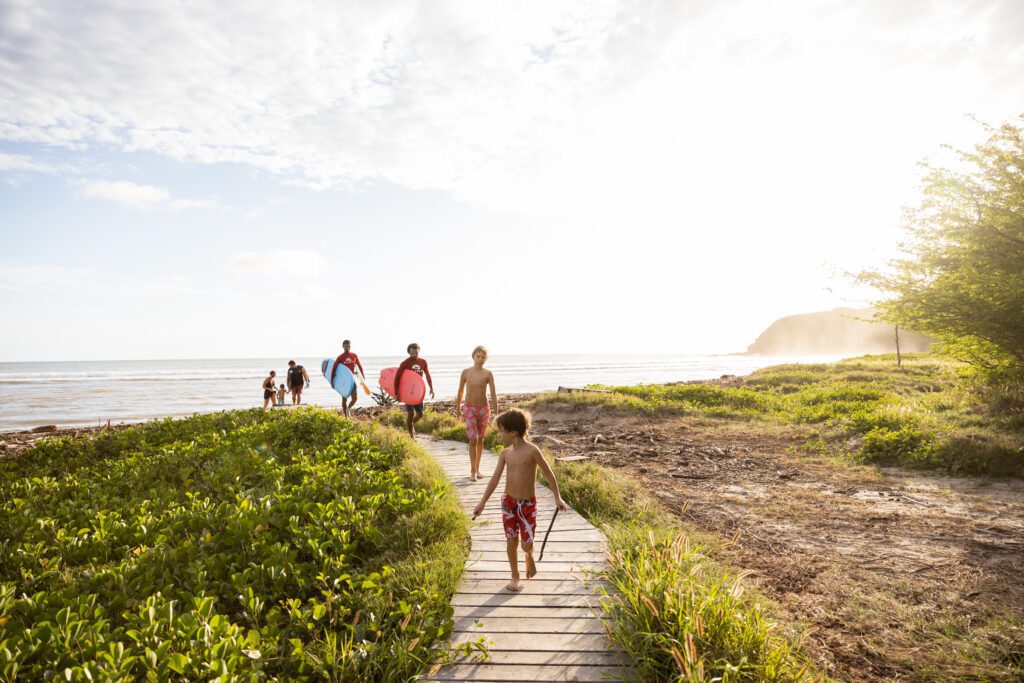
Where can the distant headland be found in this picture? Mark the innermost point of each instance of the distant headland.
(841, 331)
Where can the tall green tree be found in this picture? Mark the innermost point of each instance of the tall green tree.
(960, 277)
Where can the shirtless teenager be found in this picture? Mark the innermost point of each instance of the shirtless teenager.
(473, 383)
(519, 503)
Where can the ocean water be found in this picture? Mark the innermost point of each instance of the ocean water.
(82, 393)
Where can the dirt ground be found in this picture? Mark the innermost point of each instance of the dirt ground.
(892, 575)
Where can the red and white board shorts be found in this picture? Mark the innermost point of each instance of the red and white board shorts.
(476, 418)
(519, 517)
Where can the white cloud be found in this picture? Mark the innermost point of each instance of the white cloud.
(139, 196)
(537, 106)
(124, 192)
(20, 162)
(281, 263)
(45, 277)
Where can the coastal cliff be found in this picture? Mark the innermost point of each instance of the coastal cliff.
(841, 331)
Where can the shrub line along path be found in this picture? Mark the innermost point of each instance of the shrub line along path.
(551, 631)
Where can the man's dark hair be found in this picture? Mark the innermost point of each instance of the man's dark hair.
(515, 421)
(410, 347)
(346, 342)
(291, 362)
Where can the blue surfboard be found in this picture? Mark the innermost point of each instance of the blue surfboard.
(344, 382)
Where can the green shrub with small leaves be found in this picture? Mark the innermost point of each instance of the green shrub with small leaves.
(238, 546)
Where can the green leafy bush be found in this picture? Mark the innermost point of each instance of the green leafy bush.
(235, 546)
(882, 444)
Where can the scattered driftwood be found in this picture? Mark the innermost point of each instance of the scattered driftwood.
(382, 398)
(574, 390)
(548, 440)
(573, 458)
(689, 475)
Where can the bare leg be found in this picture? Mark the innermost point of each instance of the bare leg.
(472, 462)
(531, 568)
(513, 560)
(408, 424)
(477, 451)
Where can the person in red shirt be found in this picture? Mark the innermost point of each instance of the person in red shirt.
(415, 364)
(350, 361)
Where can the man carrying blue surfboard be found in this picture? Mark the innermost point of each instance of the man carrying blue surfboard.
(417, 365)
(350, 361)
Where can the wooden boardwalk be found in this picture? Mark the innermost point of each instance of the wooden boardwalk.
(550, 631)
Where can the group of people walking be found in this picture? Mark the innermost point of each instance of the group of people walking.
(297, 379)
(476, 400)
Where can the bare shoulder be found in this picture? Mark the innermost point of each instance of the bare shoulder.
(534, 452)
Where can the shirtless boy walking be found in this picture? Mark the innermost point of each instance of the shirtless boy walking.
(519, 503)
(473, 384)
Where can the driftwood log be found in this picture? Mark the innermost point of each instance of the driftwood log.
(573, 390)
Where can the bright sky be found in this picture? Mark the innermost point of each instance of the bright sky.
(236, 179)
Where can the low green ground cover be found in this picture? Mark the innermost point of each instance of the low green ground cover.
(929, 413)
(237, 546)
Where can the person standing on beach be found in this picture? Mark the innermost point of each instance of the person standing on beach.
(419, 365)
(268, 390)
(297, 379)
(350, 361)
(519, 503)
(474, 382)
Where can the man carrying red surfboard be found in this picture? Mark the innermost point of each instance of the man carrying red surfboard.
(418, 365)
(350, 361)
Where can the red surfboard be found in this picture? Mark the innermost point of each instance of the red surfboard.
(412, 389)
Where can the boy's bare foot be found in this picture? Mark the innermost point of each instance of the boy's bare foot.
(531, 568)
(513, 585)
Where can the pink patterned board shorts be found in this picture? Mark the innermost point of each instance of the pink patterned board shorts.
(476, 418)
(519, 517)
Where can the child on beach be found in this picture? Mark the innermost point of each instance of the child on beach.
(519, 503)
(416, 364)
(474, 382)
(281, 393)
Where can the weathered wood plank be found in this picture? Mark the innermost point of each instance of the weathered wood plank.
(496, 588)
(609, 658)
(562, 642)
(545, 625)
(524, 599)
(524, 672)
(547, 566)
(495, 611)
